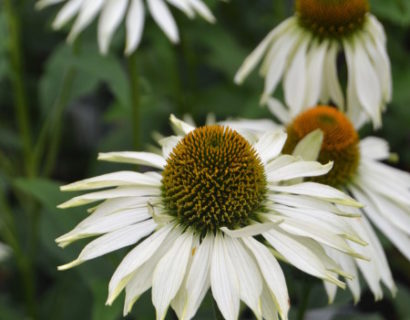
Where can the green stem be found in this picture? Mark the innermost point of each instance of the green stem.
(135, 99)
(304, 302)
(19, 90)
(24, 265)
(56, 125)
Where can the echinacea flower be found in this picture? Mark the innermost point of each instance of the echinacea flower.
(359, 171)
(4, 251)
(302, 52)
(113, 12)
(194, 223)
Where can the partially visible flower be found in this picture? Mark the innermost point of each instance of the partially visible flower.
(302, 52)
(195, 224)
(4, 251)
(357, 170)
(113, 12)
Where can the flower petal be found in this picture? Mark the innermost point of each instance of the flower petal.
(170, 272)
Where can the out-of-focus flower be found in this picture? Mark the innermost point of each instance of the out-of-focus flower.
(358, 170)
(113, 12)
(302, 52)
(4, 251)
(199, 223)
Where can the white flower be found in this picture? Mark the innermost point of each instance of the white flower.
(358, 170)
(302, 53)
(112, 12)
(194, 224)
(4, 251)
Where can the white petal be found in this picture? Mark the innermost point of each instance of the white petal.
(134, 25)
(381, 63)
(309, 147)
(111, 15)
(296, 251)
(294, 83)
(355, 112)
(44, 3)
(101, 224)
(318, 191)
(347, 264)
(169, 273)
(253, 59)
(89, 10)
(135, 258)
(141, 279)
(331, 81)
(110, 194)
(316, 232)
(315, 69)
(299, 169)
(399, 239)
(142, 158)
(273, 275)
(368, 87)
(251, 230)
(198, 280)
(250, 281)
(184, 6)
(163, 17)
(269, 311)
(168, 144)
(225, 285)
(180, 127)
(113, 241)
(203, 10)
(276, 61)
(67, 12)
(374, 148)
(270, 145)
(278, 110)
(115, 179)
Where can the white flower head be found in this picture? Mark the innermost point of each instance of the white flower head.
(358, 170)
(4, 251)
(113, 12)
(194, 224)
(302, 53)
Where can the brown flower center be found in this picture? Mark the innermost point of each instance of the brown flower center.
(340, 143)
(332, 18)
(213, 178)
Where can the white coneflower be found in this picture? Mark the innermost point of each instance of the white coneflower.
(303, 52)
(358, 170)
(4, 251)
(112, 12)
(194, 224)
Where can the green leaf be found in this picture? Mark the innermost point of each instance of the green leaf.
(396, 11)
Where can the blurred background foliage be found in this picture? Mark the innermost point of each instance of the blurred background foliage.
(80, 104)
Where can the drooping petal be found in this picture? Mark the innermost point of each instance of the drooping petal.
(111, 16)
(169, 273)
(163, 17)
(273, 275)
(113, 241)
(224, 283)
(135, 258)
(141, 158)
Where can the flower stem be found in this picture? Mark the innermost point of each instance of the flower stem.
(19, 90)
(135, 99)
(55, 129)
